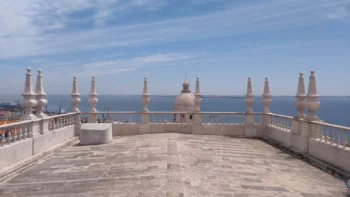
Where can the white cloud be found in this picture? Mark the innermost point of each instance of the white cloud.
(338, 13)
(28, 37)
(126, 65)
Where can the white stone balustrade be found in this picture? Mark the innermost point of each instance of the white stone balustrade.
(332, 134)
(234, 118)
(11, 133)
(280, 121)
(305, 135)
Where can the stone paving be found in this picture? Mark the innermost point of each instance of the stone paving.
(173, 165)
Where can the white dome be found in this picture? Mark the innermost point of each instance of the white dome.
(184, 102)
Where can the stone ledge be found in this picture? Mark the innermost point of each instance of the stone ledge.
(326, 167)
(29, 161)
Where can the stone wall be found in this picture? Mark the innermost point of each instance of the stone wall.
(16, 154)
(331, 154)
(205, 129)
(49, 139)
(304, 143)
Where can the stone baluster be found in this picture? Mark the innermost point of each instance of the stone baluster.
(312, 103)
(19, 135)
(92, 118)
(15, 135)
(3, 140)
(300, 103)
(29, 101)
(40, 96)
(197, 102)
(266, 101)
(344, 139)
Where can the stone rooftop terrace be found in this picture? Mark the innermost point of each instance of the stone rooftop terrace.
(172, 165)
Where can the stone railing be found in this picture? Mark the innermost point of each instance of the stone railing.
(60, 121)
(14, 132)
(280, 121)
(223, 117)
(11, 133)
(130, 117)
(28, 140)
(332, 134)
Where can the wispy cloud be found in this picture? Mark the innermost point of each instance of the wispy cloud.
(126, 65)
(30, 37)
(339, 13)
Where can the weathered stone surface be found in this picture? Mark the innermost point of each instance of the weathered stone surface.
(173, 165)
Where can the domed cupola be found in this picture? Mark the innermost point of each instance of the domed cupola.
(184, 102)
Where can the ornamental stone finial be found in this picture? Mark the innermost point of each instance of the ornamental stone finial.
(266, 101)
(249, 97)
(29, 101)
(300, 103)
(40, 96)
(75, 100)
(92, 101)
(312, 103)
(197, 97)
(145, 96)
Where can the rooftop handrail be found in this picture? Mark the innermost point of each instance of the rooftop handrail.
(161, 112)
(57, 116)
(139, 112)
(14, 124)
(281, 116)
(222, 112)
(331, 125)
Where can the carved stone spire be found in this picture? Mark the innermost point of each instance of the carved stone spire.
(197, 99)
(249, 97)
(92, 101)
(300, 103)
(312, 103)
(75, 100)
(29, 101)
(40, 96)
(266, 101)
(145, 96)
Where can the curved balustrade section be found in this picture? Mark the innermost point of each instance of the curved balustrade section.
(126, 117)
(170, 117)
(130, 117)
(60, 121)
(332, 134)
(280, 121)
(11, 133)
(232, 118)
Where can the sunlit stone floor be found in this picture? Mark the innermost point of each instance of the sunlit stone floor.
(173, 165)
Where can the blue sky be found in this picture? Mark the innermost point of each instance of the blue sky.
(222, 41)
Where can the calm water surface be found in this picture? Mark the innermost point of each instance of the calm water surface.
(335, 110)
